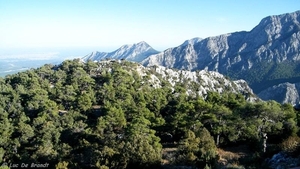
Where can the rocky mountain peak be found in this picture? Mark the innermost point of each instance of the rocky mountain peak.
(143, 43)
(133, 52)
(267, 55)
(267, 49)
(191, 41)
(279, 25)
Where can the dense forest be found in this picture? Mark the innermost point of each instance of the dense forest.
(96, 115)
(266, 74)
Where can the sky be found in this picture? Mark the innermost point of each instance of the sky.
(102, 25)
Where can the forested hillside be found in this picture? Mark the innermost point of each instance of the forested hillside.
(96, 115)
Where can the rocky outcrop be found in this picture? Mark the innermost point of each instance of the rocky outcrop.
(196, 83)
(282, 160)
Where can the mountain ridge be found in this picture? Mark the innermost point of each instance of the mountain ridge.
(282, 93)
(132, 52)
(241, 55)
(267, 55)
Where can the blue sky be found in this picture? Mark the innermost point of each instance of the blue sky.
(106, 25)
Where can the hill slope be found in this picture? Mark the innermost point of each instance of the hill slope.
(120, 110)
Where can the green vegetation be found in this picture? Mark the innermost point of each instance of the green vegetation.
(105, 115)
(266, 74)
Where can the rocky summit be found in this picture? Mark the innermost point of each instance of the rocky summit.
(134, 52)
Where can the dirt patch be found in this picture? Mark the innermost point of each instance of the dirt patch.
(168, 155)
(230, 156)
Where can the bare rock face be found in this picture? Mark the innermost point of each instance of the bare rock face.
(203, 82)
(267, 57)
(196, 83)
(256, 56)
(282, 93)
(274, 38)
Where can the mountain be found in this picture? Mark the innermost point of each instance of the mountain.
(135, 52)
(267, 55)
(191, 41)
(283, 93)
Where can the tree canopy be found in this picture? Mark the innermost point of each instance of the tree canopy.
(107, 115)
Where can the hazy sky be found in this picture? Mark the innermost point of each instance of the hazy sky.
(106, 25)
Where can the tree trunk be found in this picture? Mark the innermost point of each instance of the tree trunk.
(264, 141)
(218, 140)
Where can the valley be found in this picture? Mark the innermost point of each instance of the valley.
(12, 66)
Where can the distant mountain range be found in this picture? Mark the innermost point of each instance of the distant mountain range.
(259, 56)
(267, 55)
(136, 52)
